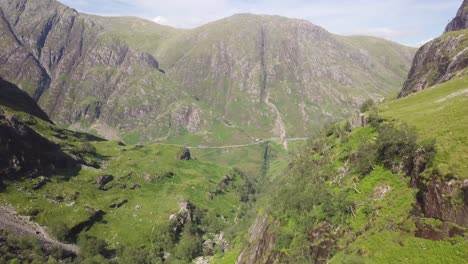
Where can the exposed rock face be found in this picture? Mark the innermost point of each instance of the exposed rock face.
(461, 20)
(441, 198)
(441, 59)
(188, 117)
(261, 244)
(103, 180)
(76, 72)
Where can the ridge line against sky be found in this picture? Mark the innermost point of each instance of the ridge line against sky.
(409, 22)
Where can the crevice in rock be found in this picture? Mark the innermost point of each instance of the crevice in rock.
(262, 63)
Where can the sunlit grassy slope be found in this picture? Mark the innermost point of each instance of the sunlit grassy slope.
(151, 178)
(441, 114)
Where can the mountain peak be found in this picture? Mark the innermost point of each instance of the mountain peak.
(461, 19)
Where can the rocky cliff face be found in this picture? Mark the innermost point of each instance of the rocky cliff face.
(441, 59)
(261, 243)
(74, 71)
(460, 21)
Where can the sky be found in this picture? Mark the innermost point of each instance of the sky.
(409, 22)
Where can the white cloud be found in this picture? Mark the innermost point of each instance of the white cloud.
(381, 32)
(405, 21)
(161, 20)
(421, 43)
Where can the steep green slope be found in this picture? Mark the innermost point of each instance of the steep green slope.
(439, 114)
(385, 192)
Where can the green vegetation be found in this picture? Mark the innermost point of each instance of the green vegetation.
(439, 114)
(348, 196)
(30, 249)
(130, 213)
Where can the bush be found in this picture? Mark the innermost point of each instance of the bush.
(87, 147)
(90, 246)
(364, 158)
(367, 105)
(59, 230)
(396, 146)
(189, 246)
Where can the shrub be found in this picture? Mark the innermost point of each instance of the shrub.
(87, 147)
(59, 230)
(364, 158)
(367, 105)
(91, 246)
(396, 145)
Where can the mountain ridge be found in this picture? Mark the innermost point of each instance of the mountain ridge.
(141, 81)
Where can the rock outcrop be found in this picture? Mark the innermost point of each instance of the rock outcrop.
(460, 21)
(185, 154)
(441, 59)
(261, 244)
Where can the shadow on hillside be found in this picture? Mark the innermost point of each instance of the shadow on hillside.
(96, 217)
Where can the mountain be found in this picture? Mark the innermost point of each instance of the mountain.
(441, 59)
(286, 75)
(80, 75)
(25, 153)
(246, 76)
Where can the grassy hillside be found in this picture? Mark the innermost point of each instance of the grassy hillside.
(130, 214)
(439, 114)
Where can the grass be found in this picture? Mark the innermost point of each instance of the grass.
(388, 246)
(192, 180)
(438, 113)
(162, 181)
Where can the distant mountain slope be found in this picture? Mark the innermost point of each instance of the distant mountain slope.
(286, 75)
(246, 77)
(441, 59)
(79, 74)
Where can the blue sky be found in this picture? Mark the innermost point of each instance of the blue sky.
(410, 22)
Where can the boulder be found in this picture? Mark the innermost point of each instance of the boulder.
(185, 154)
(103, 180)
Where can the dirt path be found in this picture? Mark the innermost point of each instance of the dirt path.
(280, 128)
(22, 226)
